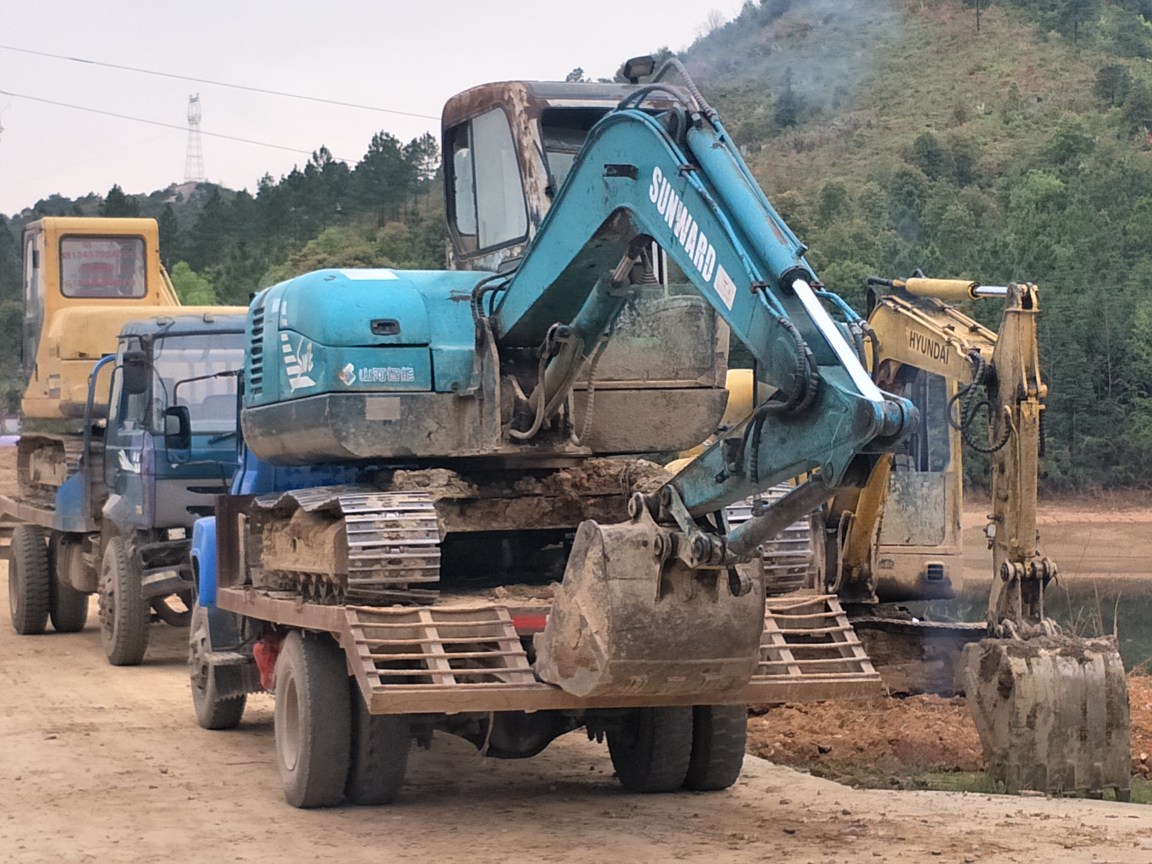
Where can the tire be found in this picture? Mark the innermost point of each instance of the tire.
(29, 581)
(719, 733)
(313, 722)
(379, 753)
(124, 613)
(212, 711)
(651, 753)
(69, 606)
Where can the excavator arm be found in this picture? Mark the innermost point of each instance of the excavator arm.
(1051, 708)
(676, 179)
(663, 584)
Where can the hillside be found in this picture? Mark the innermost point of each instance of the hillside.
(892, 136)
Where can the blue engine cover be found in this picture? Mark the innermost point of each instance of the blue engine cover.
(361, 331)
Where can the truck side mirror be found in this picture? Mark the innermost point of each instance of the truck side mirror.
(136, 373)
(178, 433)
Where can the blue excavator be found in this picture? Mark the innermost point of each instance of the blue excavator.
(448, 514)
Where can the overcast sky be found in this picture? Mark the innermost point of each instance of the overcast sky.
(404, 56)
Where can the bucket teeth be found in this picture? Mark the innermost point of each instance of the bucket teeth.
(1052, 713)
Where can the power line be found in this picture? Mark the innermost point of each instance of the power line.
(165, 125)
(218, 83)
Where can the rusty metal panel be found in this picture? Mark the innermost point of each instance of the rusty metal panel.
(231, 569)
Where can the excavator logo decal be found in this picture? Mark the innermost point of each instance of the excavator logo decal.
(298, 360)
(689, 235)
(928, 347)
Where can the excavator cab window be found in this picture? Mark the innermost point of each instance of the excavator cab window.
(927, 448)
(487, 209)
(564, 131)
(33, 299)
(918, 488)
(102, 267)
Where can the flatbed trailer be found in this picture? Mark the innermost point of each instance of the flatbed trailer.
(472, 656)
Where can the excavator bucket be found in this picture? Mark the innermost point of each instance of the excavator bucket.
(630, 620)
(1052, 713)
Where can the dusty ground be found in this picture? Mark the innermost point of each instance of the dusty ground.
(108, 765)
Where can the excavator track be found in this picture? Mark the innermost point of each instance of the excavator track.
(787, 559)
(393, 546)
(374, 548)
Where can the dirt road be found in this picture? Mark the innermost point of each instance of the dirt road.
(108, 765)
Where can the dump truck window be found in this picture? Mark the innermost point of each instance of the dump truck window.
(102, 267)
(133, 407)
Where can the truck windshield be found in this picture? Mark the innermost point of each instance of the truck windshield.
(102, 267)
(212, 401)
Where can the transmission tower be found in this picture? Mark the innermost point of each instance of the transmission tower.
(194, 163)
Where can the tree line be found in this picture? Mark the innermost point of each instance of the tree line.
(1054, 195)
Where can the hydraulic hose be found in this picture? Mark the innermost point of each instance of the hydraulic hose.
(970, 408)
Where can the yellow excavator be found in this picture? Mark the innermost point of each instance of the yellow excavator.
(1051, 709)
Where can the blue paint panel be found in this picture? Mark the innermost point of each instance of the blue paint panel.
(257, 477)
(70, 500)
(204, 558)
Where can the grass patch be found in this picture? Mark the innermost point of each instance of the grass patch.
(870, 777)
(907, 777)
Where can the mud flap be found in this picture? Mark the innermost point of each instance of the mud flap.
(626, 622)
(1052, 713)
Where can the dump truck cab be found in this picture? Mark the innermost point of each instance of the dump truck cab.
(110, 511)
(170, 442)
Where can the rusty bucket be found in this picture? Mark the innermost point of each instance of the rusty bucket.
(627, 622)
(1052, 713)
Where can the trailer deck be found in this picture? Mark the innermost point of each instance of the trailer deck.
(410, 660)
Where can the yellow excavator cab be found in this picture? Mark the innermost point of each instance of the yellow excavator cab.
(84, 278)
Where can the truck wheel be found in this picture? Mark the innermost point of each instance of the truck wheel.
(212, 711)
(313, 726)
(124, 613)
(719, 733)
(651, 753)
(29, 581)
(380, 745)
(69, 606)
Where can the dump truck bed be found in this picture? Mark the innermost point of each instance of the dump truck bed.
(466, 654)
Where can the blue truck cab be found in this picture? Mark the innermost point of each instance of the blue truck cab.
(158, 446)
